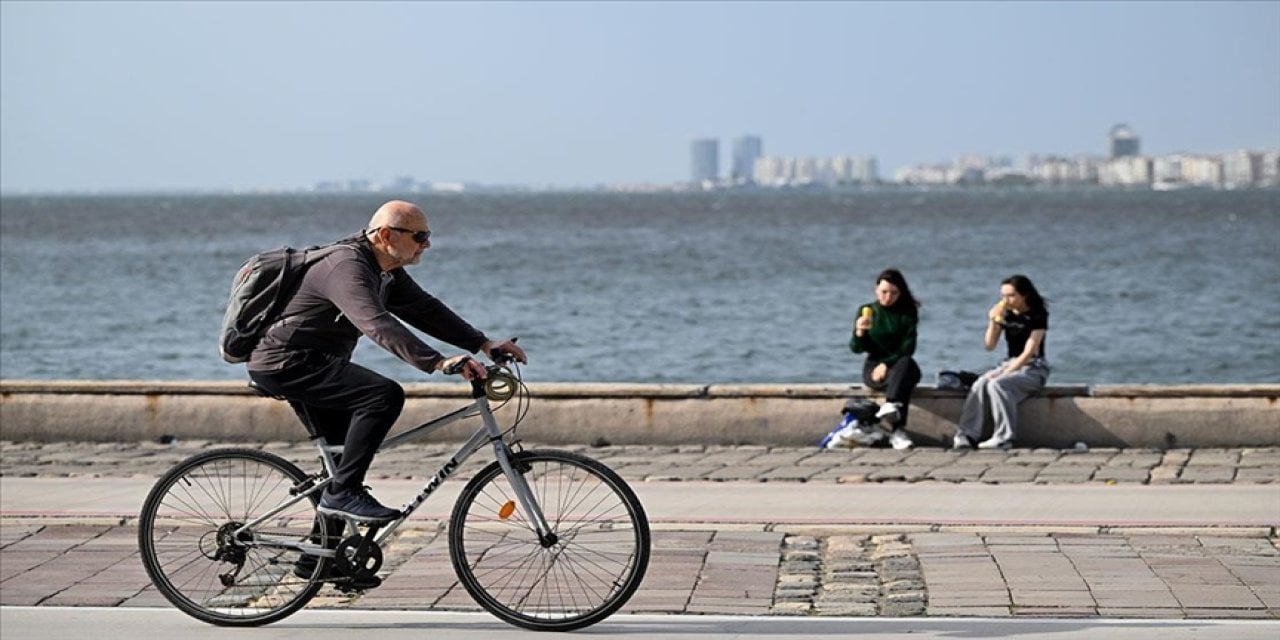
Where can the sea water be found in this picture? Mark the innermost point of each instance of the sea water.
(762, 286)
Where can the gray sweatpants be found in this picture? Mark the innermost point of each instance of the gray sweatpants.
(999, 399)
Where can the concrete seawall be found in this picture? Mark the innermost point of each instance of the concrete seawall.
(582, 413)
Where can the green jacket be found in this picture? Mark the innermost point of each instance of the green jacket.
(892, 336)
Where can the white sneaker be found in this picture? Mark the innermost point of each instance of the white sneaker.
(866, 436)
(992, 443)
(900, 440)
(890, 412)
(961, 441)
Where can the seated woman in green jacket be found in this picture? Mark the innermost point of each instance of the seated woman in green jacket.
(886, 331)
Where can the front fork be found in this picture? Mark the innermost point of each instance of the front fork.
(515, 471)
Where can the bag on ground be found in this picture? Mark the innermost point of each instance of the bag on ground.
(857, 426)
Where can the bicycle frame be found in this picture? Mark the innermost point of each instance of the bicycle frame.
(489, 431)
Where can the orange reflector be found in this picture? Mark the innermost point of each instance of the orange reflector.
(507, 509)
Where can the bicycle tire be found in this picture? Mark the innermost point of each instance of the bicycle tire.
(182, 535)
(592, 570)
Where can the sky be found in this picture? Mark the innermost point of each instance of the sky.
(120, 96)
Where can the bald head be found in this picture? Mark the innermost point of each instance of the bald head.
(398, 213)
(391, 233)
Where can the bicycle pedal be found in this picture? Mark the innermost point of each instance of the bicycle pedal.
(357, 584)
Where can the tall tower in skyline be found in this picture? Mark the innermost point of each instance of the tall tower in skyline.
(1124, 142)
(746, 150)
(704, 155)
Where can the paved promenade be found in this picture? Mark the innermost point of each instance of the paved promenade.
(762, 531)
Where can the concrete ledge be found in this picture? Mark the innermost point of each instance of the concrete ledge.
(1146, 416)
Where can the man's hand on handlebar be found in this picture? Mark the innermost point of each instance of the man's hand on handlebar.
(498, 351)
(464, 365)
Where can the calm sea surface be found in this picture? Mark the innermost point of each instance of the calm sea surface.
(1180, 287)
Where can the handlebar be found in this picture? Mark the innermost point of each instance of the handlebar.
(499, 358)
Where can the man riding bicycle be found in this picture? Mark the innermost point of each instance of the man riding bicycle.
(305, 357)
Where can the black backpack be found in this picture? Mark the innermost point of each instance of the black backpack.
(262, 287)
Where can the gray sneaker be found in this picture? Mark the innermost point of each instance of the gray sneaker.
(357, 505)
(961, 441)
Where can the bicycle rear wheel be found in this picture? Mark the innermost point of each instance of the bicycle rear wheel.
(186, 536)
(593, 565)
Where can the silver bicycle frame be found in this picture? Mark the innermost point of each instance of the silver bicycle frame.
(488, 432)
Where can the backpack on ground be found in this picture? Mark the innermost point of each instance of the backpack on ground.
(259, 292)
(858, 426)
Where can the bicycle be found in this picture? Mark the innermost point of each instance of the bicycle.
(544, 539)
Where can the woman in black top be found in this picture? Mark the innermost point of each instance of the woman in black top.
(1022, 316)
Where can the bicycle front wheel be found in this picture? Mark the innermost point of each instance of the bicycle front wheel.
(190, 548)
(588, 569)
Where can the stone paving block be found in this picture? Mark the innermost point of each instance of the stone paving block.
(16, 563)
(1136, 458)
(786, 474)
(1056, 474)
(1057, 598)
(851, 609)
(1269, 457)
(900, 473)
(957, 474)
(839, 475)
(980, 611)
(1208, 474)
(930, 458)
(1216, 596)
(727, 609)
(148, 598)
(1157, 597)
(991, 598)
(1122, 474)
(738, 472)
(23, 595)
(1008, 474)
(681, 474)
(1196, 612)
(1214, 457)
(883, 457)
(1056, 612)
(1141, 612)
(89, 596)
(1259, 475)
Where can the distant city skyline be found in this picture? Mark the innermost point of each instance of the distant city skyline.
(1123, 165)
(137, 96)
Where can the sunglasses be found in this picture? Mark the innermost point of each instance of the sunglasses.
(419, 237)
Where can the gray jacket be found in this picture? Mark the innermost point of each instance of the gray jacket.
(346, 295)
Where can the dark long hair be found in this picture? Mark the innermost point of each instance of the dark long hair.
(906, 301)
(1026, 289)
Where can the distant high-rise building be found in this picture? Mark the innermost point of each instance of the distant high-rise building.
(1124, 142)
(705, 160)
(745, 152)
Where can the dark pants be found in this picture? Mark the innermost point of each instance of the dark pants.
(897, 385)
(343, 402)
